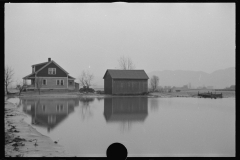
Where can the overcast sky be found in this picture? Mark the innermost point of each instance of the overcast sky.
(163, 36)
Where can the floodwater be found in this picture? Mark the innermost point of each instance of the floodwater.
(147, 127)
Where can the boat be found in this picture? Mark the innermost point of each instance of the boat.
(210, 95)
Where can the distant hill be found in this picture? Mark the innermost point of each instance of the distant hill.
(218, 79)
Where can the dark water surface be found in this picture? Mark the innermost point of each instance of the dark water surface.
(146, 126)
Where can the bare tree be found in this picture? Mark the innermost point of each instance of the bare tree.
(21, 87)
(154, 82)
(8, 79)
(86, 79)
(126, 63)
(38, 82)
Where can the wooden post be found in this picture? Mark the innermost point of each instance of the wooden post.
(67, 81)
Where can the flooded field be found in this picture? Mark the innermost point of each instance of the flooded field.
(146, 126)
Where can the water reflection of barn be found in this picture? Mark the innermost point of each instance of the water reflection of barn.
(48, 113)
(125, 109)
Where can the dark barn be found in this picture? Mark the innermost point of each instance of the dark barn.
(125, 82)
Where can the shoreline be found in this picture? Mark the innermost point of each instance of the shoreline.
(95, 95)
(22, 140)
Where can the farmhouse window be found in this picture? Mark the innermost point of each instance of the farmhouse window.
(51, 70)
(44, 82)
(51, 119)
(60, 82)
(59, 107)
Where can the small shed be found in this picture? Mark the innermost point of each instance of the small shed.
(125, 82)
(76, 86)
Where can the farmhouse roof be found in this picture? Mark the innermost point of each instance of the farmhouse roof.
(32, 75)
(70, 77)
(43, 65)
(50, 63)
(39, 64)
(127, 74)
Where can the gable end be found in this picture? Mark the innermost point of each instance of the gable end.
(43, 72)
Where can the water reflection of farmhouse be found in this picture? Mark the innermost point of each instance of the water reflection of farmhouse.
(125, 110)
(48, 112)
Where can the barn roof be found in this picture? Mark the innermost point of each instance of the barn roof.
(127, 74)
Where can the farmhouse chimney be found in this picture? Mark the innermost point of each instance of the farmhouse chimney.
(49, 59)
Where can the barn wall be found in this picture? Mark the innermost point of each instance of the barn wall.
(129, 86)
(108, 84)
